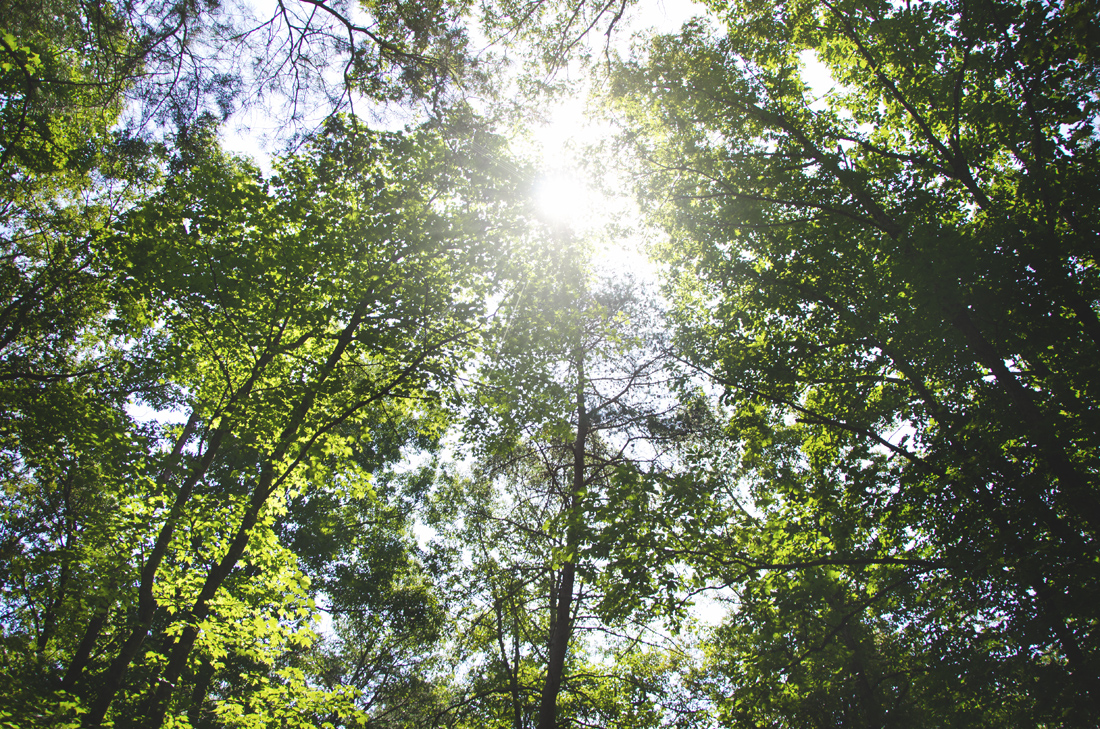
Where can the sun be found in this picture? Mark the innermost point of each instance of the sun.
(564, 198)
(582, 193)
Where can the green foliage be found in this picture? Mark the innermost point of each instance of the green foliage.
(563, 419)
(890, 286)
(877, 445)
(61, 79)
(289, 318)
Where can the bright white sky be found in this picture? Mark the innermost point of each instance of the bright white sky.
(249, 132)
(565, 195)
(565, 198)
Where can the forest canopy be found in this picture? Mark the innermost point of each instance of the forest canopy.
(361, 434)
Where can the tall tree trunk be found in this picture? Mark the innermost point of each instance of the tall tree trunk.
(147, 605)
(91, 634)
(510, 667)
(165, 684)
(562, 625)
(203, 678)
(84, 651)
(1074, 485)
(181, 650)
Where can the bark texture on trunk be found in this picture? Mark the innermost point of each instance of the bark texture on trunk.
(562, 608)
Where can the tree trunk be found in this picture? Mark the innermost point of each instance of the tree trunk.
(562, 625)
(181, 650)
(1073, 484)
(165, 684)
(84, 651)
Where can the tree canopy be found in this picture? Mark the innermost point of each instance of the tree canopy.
(370, 440)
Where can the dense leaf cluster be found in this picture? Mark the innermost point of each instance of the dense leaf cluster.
(365, 442)
(895, 285)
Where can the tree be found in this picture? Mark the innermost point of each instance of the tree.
(68, 447)
(178, 62)
(285, 319)
(288, 318)
(380, 588)
(562, 421)
(905, 255)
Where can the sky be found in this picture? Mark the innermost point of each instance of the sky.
(250, 132)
